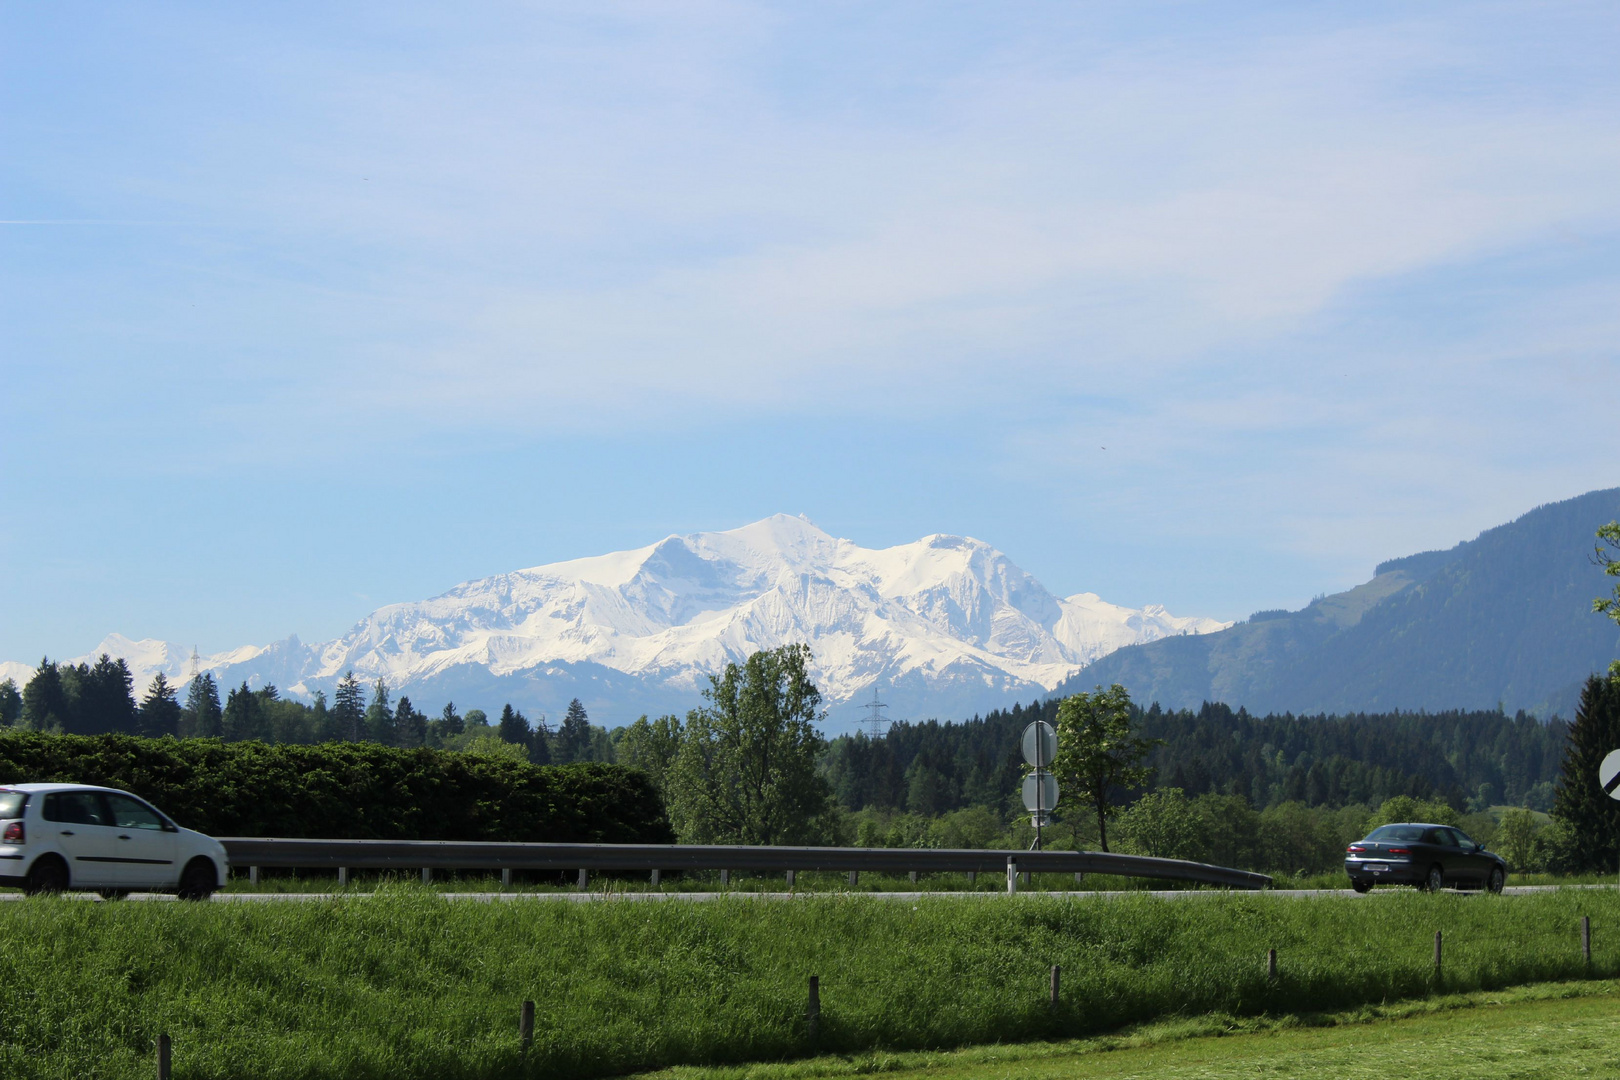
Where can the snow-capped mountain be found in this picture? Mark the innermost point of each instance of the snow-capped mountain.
(946, 626)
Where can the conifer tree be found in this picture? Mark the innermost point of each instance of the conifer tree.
(410, 726)
(379, 717)
(513, 726)
(10, 703)
(349, 709)
(160, 712)
(1580, 801)
(202, 716)
(45, 700)
(244, 715)
(573, 741)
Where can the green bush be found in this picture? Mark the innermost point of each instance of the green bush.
(350, 791)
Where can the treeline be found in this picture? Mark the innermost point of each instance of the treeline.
(358, 791)
(99, 698)
(1468, 760)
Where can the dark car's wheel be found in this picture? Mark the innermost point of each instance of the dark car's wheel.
(198, 881)
(1496, 880)
(49, 874)
(1436, 879)
(1361, 886)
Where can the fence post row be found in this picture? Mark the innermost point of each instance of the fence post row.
(1271, 963)
(1437, 958)
(1057, 972)
(526, 1026)
(1586, 939)
(165, 1062)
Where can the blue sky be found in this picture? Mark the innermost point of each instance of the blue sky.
(309, 308)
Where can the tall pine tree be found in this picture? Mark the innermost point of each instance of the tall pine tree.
(1580, 801)
(379, 717)
(160, 712)
(202, 715)
(10, 703)
(573, 741)
(349, 709)
(244, 715)
(45, 700)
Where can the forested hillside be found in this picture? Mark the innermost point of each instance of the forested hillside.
(1469, 759)
(1503, 619)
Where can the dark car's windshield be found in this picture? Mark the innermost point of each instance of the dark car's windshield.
(1408, 833)
(12, 803)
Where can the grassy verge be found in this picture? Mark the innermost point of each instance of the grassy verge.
(406, 985)
(1548, 1029)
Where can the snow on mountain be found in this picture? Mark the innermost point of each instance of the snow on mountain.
(945, 626)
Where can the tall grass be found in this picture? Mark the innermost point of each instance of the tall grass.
(405, 985)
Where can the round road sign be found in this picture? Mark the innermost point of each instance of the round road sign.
(1040, 744)
(1040, 791)
(1609, 774)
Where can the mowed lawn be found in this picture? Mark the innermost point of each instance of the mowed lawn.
(1536, 1032)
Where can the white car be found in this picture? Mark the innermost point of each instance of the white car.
(55, 837)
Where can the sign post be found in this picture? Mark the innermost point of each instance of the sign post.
(1609, 777)
(1040, 786)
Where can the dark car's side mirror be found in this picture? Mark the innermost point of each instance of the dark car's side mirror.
(1478, 846)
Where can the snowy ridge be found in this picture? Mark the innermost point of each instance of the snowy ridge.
(942, 626)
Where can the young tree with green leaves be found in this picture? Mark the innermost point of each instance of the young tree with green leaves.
(1609, 537)
(1097, 755)
(746, 771)
(651, 746)
(160, 711)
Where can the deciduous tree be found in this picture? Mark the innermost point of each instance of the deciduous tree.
(1098, 757)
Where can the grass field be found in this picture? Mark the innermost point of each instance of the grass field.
(1546, 1030)
(404, 985)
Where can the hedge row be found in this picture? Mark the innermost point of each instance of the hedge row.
(350, 791)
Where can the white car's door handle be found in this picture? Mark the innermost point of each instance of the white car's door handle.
(123, 836)
(67, 832)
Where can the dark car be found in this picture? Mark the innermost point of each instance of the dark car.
(1426, 855)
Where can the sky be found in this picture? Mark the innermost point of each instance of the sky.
(309, 308)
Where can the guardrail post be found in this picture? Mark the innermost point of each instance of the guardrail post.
(657, 876)
(584, 879)
(1057, 972)
(914, 877)
(526, 1026)
(812, 1013)
(343, 877)
(165, 1056)
(854, 877)
(725, 879)
(1079, 877)
(1271, 964)
(253, 875)
(973, 876)
(791, 877)
(506, 877)
(1437, 958)
(1586, 939)
(1012, 875)
(427, 875)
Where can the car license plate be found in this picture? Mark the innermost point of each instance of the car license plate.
(1376, 867)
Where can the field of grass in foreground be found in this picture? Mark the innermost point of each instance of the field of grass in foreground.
(1557, 1029)
(403, 984)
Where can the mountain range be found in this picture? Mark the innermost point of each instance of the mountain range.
(945, 626)
(1504, 619)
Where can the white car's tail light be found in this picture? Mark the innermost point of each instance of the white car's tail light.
(13, 833)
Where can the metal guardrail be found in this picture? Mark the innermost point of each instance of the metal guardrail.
(459, 855)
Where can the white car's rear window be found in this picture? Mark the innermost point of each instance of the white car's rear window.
(12, 803)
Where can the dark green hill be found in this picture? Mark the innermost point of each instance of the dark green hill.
(1502, 619)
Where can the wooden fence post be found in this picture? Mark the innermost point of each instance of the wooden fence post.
(1586, 939)
(526, 1026)
(1437, 958)
(812, 1014)
(1271, 964)
(1057, 972)
(165, 1057)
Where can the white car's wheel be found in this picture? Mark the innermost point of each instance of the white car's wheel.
(198, 880)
